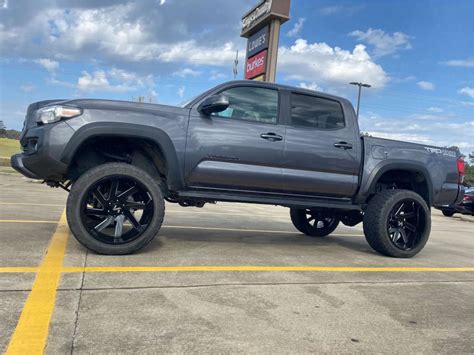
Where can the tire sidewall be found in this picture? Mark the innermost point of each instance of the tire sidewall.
(82, 185)
(376, 230)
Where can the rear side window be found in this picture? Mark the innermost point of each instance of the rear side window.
(251, 104)
(316, 112)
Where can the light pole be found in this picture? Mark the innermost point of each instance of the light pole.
(360, 85)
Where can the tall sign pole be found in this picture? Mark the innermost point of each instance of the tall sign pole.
(261, 27)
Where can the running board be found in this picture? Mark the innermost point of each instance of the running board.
(287, 201)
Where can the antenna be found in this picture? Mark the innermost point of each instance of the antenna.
(236, 62)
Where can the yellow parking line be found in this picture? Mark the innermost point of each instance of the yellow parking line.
(26, 221)
(17, 269)
(32, 329)
(107, 269)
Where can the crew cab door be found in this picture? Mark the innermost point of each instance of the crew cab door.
(240, 148)
(321, 155)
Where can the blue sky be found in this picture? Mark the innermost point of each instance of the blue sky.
(418, 55)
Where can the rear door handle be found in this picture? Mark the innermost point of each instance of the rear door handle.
(343, 145)
(271, 136)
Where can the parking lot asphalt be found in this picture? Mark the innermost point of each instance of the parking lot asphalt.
(227, 278)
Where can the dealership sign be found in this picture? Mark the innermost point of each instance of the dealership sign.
(256, 65)
(257, 13)
(257, 42)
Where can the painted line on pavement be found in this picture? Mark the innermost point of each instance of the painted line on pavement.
(188, 227)
(26, 221)
(17, 269)
(108, 269)
(30, 204)
(32, 329)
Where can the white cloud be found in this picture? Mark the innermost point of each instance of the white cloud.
(467, 91)
(383, 43)
(310, 86)
(321, 63)
(187, 72)
(48, 64)
(114, 80)
(181, 91)
(296, 28)
(435, 109)
(215, 75)
(4, 4)
(340, 9)
(413, 128)
(162, 2)
(460, 63)
(191, 52)
(426, 85)
(27, 88)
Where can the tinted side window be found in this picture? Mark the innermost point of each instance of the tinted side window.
(316, 112)
(252, 104)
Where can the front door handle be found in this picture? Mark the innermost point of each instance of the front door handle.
(343, 145)
(271, 136)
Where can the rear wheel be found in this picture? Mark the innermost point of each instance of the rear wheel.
(397, 223)
(115, 208)
(312, 222)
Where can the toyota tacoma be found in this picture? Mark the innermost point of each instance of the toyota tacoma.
(242, 141)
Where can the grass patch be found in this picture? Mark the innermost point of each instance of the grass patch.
(8, 147)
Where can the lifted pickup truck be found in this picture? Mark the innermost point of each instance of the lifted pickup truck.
(241, 141)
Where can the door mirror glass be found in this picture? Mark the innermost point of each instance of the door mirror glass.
(213, 104)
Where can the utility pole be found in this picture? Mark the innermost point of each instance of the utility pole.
(360, 85)
(236, 63)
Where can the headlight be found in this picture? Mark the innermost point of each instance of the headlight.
(51, 114)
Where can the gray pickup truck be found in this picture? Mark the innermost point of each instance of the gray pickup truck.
(241, 141)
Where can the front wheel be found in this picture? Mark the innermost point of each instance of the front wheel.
(312, 222)
(397, 223)
(115, 208)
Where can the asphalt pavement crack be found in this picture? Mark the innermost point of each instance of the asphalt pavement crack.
(76, 320)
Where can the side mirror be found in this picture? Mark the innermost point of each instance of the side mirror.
(214, 103)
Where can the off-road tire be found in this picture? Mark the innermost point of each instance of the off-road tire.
(376, 219)
(298, 217)
(80, 188)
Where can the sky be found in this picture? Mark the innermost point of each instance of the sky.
(417, 55)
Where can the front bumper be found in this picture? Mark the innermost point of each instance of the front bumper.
(42, 148)
(18, 165)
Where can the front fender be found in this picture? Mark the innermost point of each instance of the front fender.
(129, 130)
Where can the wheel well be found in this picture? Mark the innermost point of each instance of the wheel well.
(142, 153)
(404, 179)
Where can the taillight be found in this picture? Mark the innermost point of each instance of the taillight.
(467, 198)
(461, 169)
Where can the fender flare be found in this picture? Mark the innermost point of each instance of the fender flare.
(369, 184)
(129, 130)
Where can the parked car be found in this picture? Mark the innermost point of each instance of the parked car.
(241, 141)
(465, 207)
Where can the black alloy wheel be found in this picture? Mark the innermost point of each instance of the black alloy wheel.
(397, 223)
(406, 224)
(117, 209)
(313, 223)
